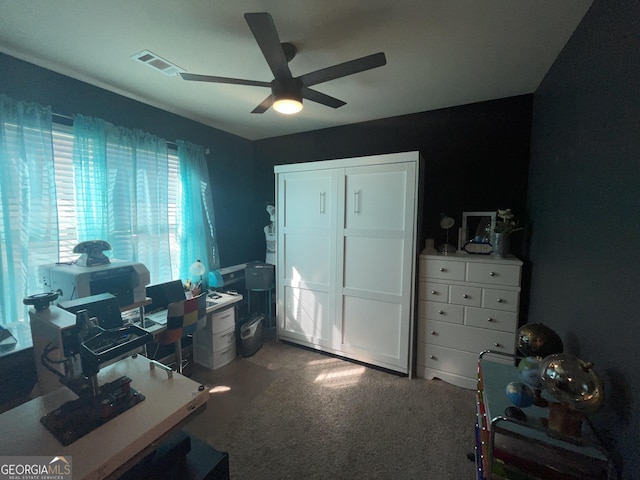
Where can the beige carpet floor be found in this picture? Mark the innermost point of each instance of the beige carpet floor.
(292, 413)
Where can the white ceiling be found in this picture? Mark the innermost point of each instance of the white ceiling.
(440, 53)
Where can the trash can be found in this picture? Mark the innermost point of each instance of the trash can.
(251, 335)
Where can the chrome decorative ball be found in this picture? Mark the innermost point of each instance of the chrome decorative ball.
(538, 340)
(572, 382)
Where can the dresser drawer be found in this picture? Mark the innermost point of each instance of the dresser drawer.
(444, 312)
(444, 269)
(436, 292)
(463, 295)
(448, 360)
(222, 340)
(494, 274)
(470, 339)
(500, 299)
(221, 321)
(493, 319)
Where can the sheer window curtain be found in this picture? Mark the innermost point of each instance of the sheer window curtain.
(197, 226)
(28, 210)
(122, 193)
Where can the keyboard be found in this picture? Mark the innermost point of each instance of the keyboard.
(157, 317)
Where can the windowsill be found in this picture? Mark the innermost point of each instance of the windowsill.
(20, 339)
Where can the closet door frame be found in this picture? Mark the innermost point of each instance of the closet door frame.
(335, 345)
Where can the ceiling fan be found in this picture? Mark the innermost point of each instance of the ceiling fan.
(288, 91)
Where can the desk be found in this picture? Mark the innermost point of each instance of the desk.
(224, 301)
(169, 401)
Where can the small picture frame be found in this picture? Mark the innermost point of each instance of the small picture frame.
(477, 232)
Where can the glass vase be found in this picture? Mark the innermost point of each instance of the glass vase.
(501, 245)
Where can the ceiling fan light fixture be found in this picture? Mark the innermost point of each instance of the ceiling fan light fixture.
(287, 106)
(287, 96)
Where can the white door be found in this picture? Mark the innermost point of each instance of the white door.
(307, 211)
(376, 240)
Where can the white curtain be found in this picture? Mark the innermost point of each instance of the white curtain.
(28, 210)
(196, 208)
(122, 193)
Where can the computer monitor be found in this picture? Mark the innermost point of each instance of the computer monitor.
(162, 294)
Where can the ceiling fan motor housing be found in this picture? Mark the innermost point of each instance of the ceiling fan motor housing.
(286, 88)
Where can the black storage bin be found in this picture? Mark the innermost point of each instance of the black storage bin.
(259, 275)
(251, 335)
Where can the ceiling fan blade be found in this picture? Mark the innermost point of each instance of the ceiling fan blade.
(343, 69)
(321, 98)
(265, 33)
(234, 81)
(264, 105)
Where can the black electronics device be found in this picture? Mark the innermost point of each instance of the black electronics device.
(162, 294)
(103, 306)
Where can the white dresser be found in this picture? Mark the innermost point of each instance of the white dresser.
(467, 304)
(215, 345)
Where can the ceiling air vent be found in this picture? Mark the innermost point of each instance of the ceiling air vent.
(157, 63)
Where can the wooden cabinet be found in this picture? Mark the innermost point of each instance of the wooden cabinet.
(467, 304)
(346, 256)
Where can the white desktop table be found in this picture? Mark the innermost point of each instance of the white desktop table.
(225, 300)
(169, 400)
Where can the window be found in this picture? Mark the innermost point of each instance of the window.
(65, 186)
(135, 201)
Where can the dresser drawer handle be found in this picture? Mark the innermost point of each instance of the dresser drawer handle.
(433, 292)
(499, 300)
(432, 357)
(492, 274)
(441, 312)
(433, 332)
(443, 269)
(489, 319)
(465, 295)
(497, 345)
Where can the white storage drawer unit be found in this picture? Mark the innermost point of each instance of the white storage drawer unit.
(467, 304)
(215, 344)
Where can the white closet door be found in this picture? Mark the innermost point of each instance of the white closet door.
(375, 248)
(307, 211)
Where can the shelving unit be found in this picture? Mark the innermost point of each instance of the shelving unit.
(508, 449)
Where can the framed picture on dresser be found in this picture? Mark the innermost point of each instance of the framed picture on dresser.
(477, 228)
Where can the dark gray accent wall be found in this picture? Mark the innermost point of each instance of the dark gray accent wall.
(584, 200)
(476, 156)
(239, 218)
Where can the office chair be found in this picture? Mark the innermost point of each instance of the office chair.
(194, 323)
(198, 322)
(183, 318)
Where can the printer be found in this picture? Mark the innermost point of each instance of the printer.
(123, 279)
(223, 277)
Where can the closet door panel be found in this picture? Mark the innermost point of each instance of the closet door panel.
(374, 264)
(309, 198)
(307, 317)
(307, 259)
(377, 263)
(375, 198)
(373, 329)
(307, 221)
